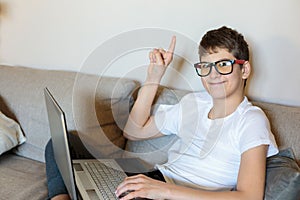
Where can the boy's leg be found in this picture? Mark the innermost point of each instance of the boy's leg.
(55, 182)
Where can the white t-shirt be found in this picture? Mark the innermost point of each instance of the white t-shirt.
(208, 152)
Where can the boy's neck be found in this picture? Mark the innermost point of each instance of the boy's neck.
(224, 107)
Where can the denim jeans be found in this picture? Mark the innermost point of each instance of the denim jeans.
(55, 182)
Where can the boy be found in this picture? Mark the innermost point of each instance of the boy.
(223, 139)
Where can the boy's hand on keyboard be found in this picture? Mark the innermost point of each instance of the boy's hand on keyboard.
(141, 186)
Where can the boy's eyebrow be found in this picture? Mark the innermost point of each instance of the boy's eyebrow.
(218, 60)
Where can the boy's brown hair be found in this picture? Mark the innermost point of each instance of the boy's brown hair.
(225, 38)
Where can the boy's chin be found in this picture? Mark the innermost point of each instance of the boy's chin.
(217, 94)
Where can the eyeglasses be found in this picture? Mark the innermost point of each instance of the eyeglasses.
(223, 67)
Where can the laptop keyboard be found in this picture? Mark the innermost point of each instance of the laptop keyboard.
(106, 177)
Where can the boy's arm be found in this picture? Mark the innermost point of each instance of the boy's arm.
(140, 124)
(250, 185)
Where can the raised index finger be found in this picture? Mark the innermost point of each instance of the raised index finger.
(172, 45)
(169, 54)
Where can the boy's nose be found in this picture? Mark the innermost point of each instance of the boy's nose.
(214, 73)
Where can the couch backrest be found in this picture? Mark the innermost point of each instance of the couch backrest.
(285, 125)
(84, 98)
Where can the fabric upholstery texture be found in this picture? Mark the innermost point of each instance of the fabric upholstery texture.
(26, 103)
(22, 178)
(282, 177)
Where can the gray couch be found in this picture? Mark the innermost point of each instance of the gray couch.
(92, 100)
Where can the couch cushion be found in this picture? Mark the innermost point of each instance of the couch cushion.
(22, 178)
(282, 176)
(21, 97)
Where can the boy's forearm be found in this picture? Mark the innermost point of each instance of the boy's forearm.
(178, 193)
(142, 108)
(141, 111)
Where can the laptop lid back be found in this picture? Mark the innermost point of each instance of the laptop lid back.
(60, 143)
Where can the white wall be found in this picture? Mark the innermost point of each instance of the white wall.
(110, 37)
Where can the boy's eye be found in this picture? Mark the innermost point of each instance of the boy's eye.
(206, 65)
(224, 64)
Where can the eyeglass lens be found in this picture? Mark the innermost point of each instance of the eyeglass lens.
(222, 67)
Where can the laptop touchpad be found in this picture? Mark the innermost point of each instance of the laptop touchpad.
(86, 183)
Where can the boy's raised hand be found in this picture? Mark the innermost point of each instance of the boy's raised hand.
(159, 61)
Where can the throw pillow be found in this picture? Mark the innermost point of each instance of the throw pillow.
(282, 176)
(11, 134)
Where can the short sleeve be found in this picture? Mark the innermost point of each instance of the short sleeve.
(254, 130)
(167, 118)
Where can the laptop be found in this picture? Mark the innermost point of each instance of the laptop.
(87, 178)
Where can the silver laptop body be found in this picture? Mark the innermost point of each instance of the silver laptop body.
(79, 172)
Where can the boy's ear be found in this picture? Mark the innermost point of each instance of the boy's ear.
(246, 70)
